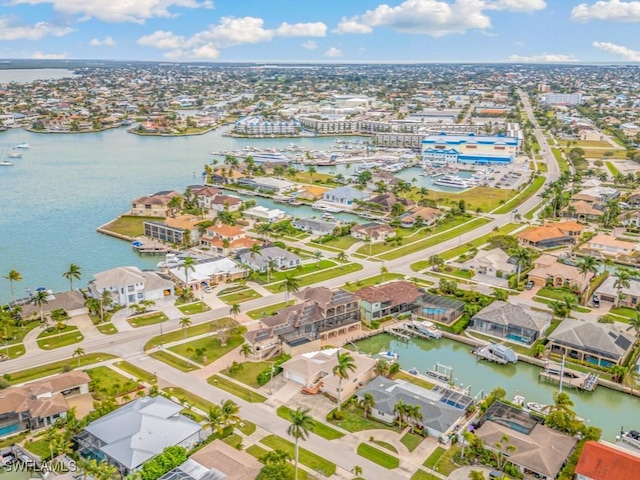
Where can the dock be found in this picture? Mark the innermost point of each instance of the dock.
(629, 438)
(406, 331)
(485, 352)
(578, 380)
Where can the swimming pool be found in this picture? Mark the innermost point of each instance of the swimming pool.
(7, 429)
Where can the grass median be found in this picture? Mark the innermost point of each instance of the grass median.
(145, 320)
(318, 428)
(306, 458)
(182, 333)
(137, 372)
(57, 367)
(173, 361)
(319, 276)
(235, 389)
(64, 340)
(378, 456)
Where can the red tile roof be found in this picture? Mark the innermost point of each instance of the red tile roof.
(602, 462)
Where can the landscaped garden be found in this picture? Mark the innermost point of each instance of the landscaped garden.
(56, 367)
(194, 308)
(247, 372)
(188, 332)
(208, 349)
(145, 320)
(58, 341)
(317, 427)
(240, 296)
(354, 421)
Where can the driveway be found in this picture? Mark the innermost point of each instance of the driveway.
(464, 472)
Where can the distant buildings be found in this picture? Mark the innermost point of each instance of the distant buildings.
(475, 149)
(259, 126)
(563, 98)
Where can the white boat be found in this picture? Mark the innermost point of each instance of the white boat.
(451, 181)
(325, 208)
(414, 371)
(632, 437)
(22, 145)
(539, 408)
(6, 163)
(389, 355)
(14, 155)
(328, 217)
(428, 328)
(171, 260)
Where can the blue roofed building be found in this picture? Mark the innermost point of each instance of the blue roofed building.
(444, 149)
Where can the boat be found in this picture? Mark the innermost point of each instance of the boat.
(14, 155)
(413, 371)
(22, 145)
(538, 408)
(325, 208)
(428, 328)
(5, 163)
(632, 437)
(451, 181)
(389, 355)
(328, 217)
(171, 260)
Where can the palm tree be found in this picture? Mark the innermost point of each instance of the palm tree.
(265, 229)
(188, 265)
(367, 240)
(400, 410)
(78, 352)
(585, 266)
(345, 364)
(234, 310)
(246, 350)
(618, 373)
(342, 257)
(301, 425)
(61, 446)
(185, 322)
(215, 418)
(13, 276)
(563, 402)
(381, 367)
(290, 285)
(311, 169)
(275, 457)
(635, 324)
(39, 300)
(414, 413)
(271, 266)
(230, 410)
(523, 257)
(317, 255)
(503, 447)
(254, 251)
(623, 280)
(73, 272)
(367, 403)
(383, 271)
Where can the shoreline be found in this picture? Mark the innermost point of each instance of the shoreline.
(145, 134)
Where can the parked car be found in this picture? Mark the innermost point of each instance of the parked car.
(529, 285)
(496, 475)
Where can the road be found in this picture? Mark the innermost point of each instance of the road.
(130, 344)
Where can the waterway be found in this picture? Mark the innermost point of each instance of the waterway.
(27, 75)
(604, 408)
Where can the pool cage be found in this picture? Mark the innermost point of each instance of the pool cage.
(440, 309)
(511, 417)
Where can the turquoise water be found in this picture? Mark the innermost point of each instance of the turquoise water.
(7, 429)
(603, 408)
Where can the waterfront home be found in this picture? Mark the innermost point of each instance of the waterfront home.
(634, 198)
(225, 202)
(517, 323)
(216, 461)
(386, 201)
(548, 271)
(550, 235)
(72, 303)
(442, 409)
(440, 308)
(264, 214)
(282, 259)
(583, 211)
(375, 232)
(137, 432)
(629, 297)
(215, 237)
(389, 299)
(600, 193)
(172, 230)
(494, 262)
(311, 192)
(204, 194)
(344, 195)
(130, 285)
(425, 215)
(314, 372)
(210, 271)
(39, 404)
(539, 450)
(600, 344)
(155, 205)
(267, 184)
(313, 226)
(610, 245)
(599, 461)
(320, 315)
(630, 219)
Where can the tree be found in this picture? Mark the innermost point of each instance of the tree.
(317, 255)
(523, 257)
(290, 285)
(345, 364)
(188, 265)
(381, 367)
(342, 257)
(78, 352)
(73, 272)
(357, 470)
(255, 251)
(273, 472)
(635, 324)
(275, 457)
(383, 271)
(367, 403)
(185, 322)
(623, 280)
(301, 425)
(39, 300)
(215, 418)
(503, 447)
(266, 230)
(311, 169)
(367, 240)
(414, 414)
(230, 411)
(563, 402)
(271, 266)
(13, 276)
(246, 350)
(618, 372)
(400, 411)
(234, 310)
(587, 265)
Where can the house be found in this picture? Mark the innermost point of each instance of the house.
(39, 404)
(600, 344)
(155, 205)
(584, 211)
(386, 201)
(630, 219)
(494, 262)
(440, 415)
(551, 235)
(599, 461)
(600, 193)
(72, 303)
(440, 308)
(137, 432)
(607, 292)
(515, 323)
(634, 199)
(282, 260)
(344, 196)
(548, 271)
(264, 214)
(320, 315)
(267, 184)
(314, 371)
(311, 192)
(216, 461)
(609, 245)
(173, 230)
(313, 226)
(390, 299)
(204, 195)
(129, 285)
(226, 239)
(375, 232)
(592, 136)
(538, 450)
(210, 271)
(416, 214)
(225, 202)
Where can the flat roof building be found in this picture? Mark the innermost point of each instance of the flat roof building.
(444, 149)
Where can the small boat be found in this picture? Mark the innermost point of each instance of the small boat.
(428, 328)
(14, 155)
(22, 145)
(328, 217)
(632, 437)
(538, 408)
(413, 371)
(389, 355)
(6, 163)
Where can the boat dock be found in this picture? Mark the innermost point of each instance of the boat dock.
(443, 373)
(629, 438)
(406, 330)
(578, 380)
(495, 353)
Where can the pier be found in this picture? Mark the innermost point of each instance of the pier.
(406, 330)
(578, 380)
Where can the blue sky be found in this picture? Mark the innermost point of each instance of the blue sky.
(323, 30)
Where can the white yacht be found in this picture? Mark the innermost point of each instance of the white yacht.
(428, 328)
(14, 154)
(22, 145)
(389, 355)
(5, 163)
(451, 181)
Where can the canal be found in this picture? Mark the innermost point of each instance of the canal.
(604, 408)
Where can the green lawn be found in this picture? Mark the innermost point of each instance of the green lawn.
(378, 456)
(50, 332)
(107, 382)
(400, 375)
(556, 293)
(376, 279)
(306, 458)
(441, 460)
(239, 297)
(612, 169)
(18, 333)
(107, 328)
(320, 276)
(355, 422)
(422, 475)
(56, 367)
(137, 372)
(63, 340)
(341, 243)
(624, 312)
(192, 399)
(173, 361)
(485, 198)
(235, 389)
(177, 335)
(531, 189)
(213, 348)
(146, 319)
(233, 440)
(562, 163)
(194, 308)
(246, 427)
(476, 243)
(248, 373)
(411, 440)
(129, 225)
(259, 452)
(41, 447)
(318, 428)
(305, 269)
(14, 351)
(433, 459)
(12, 440)
(268, 310)
(386, 446)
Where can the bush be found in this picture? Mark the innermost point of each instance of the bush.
(375, 324)
(3, 384)
(170, 458)
(265, 375)
(336, 415)
(394, 368)
(67, 368)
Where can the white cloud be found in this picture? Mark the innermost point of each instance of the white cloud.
(135, 11)
(106, 42)
(611, 10)
(207, 51)
(48, 56)
(10, 31)
(162, 40)
(434, 17)
(234, 31)
(544, 58)
(333, 53)
(315, 29)
(310, 45)
(621, 50)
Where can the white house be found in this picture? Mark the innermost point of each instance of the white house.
(282, 259)
(264, 214)
(130, 285)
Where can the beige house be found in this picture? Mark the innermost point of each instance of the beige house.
(591, 136)
(609, 245)
(153, 205)
(376, 232)
(546, 268)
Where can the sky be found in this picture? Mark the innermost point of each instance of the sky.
(534, 31)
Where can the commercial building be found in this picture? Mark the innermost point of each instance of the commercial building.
(259, 126)
(563, 98)
(445, 149)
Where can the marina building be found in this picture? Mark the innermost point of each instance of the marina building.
(474, 149)
(260, 126)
